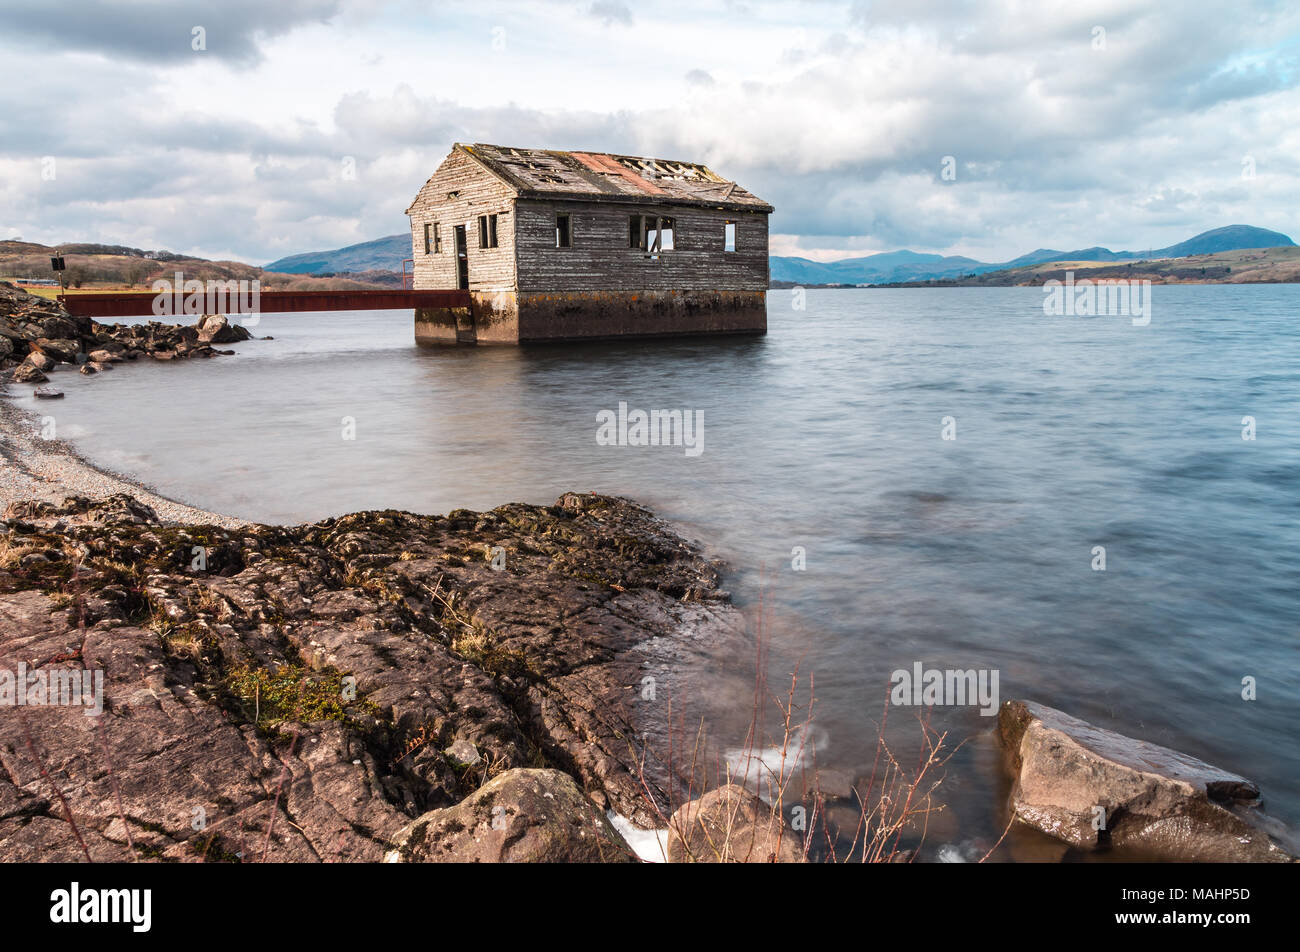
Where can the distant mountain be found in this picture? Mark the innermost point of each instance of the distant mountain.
(875, 269)
(1231, 238)
(1239, 266)
(109, 267)
(895, 266)
(382, 254)
(387, 254)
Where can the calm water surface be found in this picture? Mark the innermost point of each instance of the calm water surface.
(976, 552)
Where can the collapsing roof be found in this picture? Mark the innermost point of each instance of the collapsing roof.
(599, 176)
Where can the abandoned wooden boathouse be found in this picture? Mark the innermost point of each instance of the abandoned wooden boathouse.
(571, 245)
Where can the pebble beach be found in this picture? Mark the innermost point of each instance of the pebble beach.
(49, 470)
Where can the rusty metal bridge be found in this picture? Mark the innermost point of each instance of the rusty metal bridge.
(136, 304)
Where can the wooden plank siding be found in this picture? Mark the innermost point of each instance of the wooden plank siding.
(600, 258)
(480, 193)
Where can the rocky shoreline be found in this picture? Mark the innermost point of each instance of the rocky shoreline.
(394, 687)
(311, 691)
(37, 336)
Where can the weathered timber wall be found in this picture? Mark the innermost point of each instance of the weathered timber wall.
(600, 259)
(480, 193)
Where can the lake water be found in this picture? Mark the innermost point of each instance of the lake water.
(827, 434)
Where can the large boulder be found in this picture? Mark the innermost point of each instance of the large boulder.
(60, 328)
(82, 510)
(523, 816)
(730, 825)
(64, 350)
(1092, 787)
(217, 329)
(28, 372)
(41, 362)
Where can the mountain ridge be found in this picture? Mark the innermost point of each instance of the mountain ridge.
(889, 267)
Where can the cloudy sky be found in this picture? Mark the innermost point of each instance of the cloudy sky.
(309, 124)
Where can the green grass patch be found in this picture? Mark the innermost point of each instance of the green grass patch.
(292, 694)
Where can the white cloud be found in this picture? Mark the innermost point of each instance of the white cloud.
(838, 113)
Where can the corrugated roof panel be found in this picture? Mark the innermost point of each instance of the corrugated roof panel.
(607, 165)
(583, 174)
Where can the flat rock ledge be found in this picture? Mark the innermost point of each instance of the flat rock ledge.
(1093, 788)
(372, 684)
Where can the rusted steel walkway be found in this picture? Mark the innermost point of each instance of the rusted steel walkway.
(132, 304)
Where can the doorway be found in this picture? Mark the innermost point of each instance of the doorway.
(462, 259)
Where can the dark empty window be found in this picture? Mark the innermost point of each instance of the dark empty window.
(487, 231)
(635, 232)
(437, 239)
(729, 237)
(563, 234)
(428, 240)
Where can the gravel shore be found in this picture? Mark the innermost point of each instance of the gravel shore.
(34, 468)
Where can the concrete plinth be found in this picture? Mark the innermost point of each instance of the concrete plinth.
(511, 317)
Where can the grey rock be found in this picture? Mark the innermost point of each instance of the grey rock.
(463, 753)
(1155, 801)
(28, 372)
(525, 815)
(730, 825)
(42, 362)
(63, 350)
(217, 329)
(59, 328)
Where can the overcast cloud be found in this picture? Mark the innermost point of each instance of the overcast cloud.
(310, 124)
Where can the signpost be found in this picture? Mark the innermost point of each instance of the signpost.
(59, 265)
